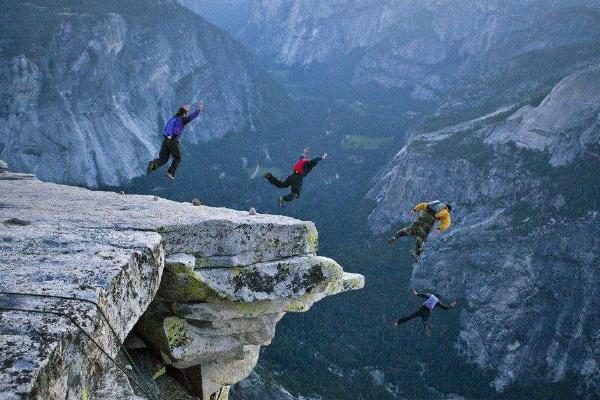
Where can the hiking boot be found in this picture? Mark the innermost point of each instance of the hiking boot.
(150, 167)
(281, 202)
(170, 175)
(268, 175)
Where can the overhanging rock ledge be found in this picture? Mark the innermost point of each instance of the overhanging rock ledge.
(204, 288)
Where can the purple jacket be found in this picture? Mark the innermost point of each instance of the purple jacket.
(175, 124)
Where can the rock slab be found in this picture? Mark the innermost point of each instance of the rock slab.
(77, 265)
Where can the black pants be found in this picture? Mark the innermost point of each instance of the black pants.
(422, 312)
(170, 147)
(294, 180)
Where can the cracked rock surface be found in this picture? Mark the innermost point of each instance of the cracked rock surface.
(77, 264)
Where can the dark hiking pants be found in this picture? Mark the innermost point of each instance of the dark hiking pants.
(420, 232)
(170, 147)
(294, 181)
(422, 312)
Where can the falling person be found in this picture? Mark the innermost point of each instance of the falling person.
(431, 301)
(429, 213)
(296, 178)
(171, 135)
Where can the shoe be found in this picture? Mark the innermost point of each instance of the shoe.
(415, 256)
(281, 202)
(150, 167)
(268, 175)
(427, 329)
(170, 175)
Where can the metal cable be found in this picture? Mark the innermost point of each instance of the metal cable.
(60, 314)
(127, 356)
(122, 348)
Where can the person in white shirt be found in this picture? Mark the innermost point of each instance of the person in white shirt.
(432, 300)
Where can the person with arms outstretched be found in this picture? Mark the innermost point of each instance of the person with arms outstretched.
(429, 213)
(171, 135)
(295, 179)
(431, 301)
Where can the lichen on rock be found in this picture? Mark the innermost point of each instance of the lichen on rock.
(204, 287)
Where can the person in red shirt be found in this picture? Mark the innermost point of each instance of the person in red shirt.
(295, 179)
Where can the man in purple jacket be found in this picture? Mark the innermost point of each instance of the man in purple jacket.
(170, 145)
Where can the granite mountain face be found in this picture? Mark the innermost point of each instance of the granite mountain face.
(443, 51)
(87, 87)
(524, 184)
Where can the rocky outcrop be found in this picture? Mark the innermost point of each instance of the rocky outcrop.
(525, 228)
(210, 322)
(79, 268)
(86, 88)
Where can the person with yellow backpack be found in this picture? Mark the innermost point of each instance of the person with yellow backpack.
(428, 215)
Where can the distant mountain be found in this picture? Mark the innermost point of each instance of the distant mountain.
(87, 86)
(229, 15)
(523, 249)
(453, 53)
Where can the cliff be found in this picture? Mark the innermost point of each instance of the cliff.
(522, 249)
(114, 71)
(204, 288)
(455, 54)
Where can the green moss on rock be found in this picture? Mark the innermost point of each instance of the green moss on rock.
(85, 393)
(203, 262)
(313, 239)
(175, 331)
(185, 286)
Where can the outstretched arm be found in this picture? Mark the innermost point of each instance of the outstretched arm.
(313, 163)
(424, 295)
(189, 118)
(446, 306)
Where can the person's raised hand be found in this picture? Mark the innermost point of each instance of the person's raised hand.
(306, 150)
(324, 156)
(414, 291)
(453, 304)
(201, 105)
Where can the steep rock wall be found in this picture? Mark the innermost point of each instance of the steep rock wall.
(521, 251)
(87, 86)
